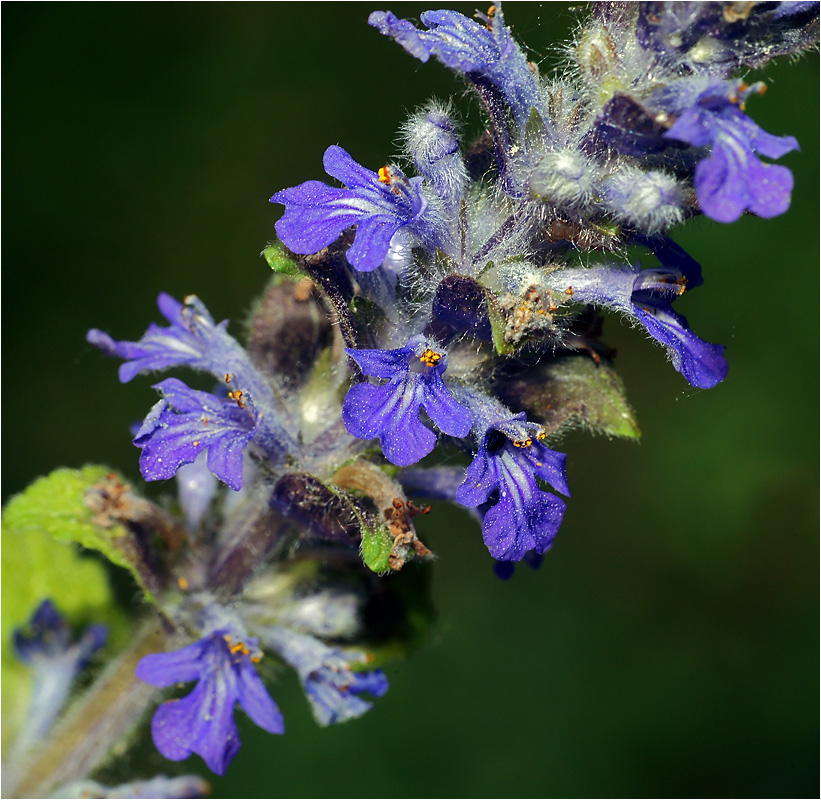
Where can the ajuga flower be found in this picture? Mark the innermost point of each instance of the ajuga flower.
(202, 722)
(379, 204)
(187, 422)
(646, 296)
(732, 179)
(332, 688)
(524, 518)
(46, 645)
(391, 411)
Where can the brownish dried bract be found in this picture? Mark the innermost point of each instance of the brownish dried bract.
(581, 235)
(526, 314)
(289, 328)
(404, 536)
(112, 503)
(387, 495)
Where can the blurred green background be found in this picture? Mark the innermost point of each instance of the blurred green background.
(669, 644)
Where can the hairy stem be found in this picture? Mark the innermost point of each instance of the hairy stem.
(94, 726)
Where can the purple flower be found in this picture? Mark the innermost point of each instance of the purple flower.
(186, 422)
(732, 179)
(646, 296)
(189, 341)
(524, 518)
(391, 411)
(331, 687)
(45, 644)
(379, 204)
(484, 53)
(194, 340)
(203, 721)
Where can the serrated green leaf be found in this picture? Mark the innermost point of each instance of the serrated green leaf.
(280, 261)
(55, 505)
(574, 389)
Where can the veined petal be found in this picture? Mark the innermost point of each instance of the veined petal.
(403, 437)
(382, 363)
(721, 182)
(170, 437)
(480, 480)
(373, 240)
(315, 214)
(364, 408)
(549, 465)
(701, 363)
(448, 415)
(255, 701)
(202, 723)
(511, 531)
(168, 669)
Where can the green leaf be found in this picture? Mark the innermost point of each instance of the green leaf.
(55, 505)
(36, 567)
(534, 131)
(280, 261)
(498, 326)
(575, 390)
(376, 547)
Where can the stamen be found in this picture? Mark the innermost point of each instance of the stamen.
(385, 175)
(430, 358)
(236, 396)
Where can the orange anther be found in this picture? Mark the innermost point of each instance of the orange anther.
(430, 358)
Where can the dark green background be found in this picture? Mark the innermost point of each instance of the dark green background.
(669, 644)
